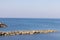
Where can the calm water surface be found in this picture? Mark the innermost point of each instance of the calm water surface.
(31, 24)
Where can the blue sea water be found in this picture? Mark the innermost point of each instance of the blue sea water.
(31, 24)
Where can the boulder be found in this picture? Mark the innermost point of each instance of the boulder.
(2, 25)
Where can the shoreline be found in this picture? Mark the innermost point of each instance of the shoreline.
(25, 32)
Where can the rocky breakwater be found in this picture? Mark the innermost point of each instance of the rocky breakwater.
(2, 33)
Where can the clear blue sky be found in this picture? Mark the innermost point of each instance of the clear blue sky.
(30, 8)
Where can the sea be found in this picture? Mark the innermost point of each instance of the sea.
(15, 24)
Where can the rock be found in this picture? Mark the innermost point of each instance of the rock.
(2, 25)
(26, 32)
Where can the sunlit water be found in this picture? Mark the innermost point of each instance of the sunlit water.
(31, 24)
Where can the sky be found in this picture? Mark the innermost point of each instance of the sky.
(29, 8)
